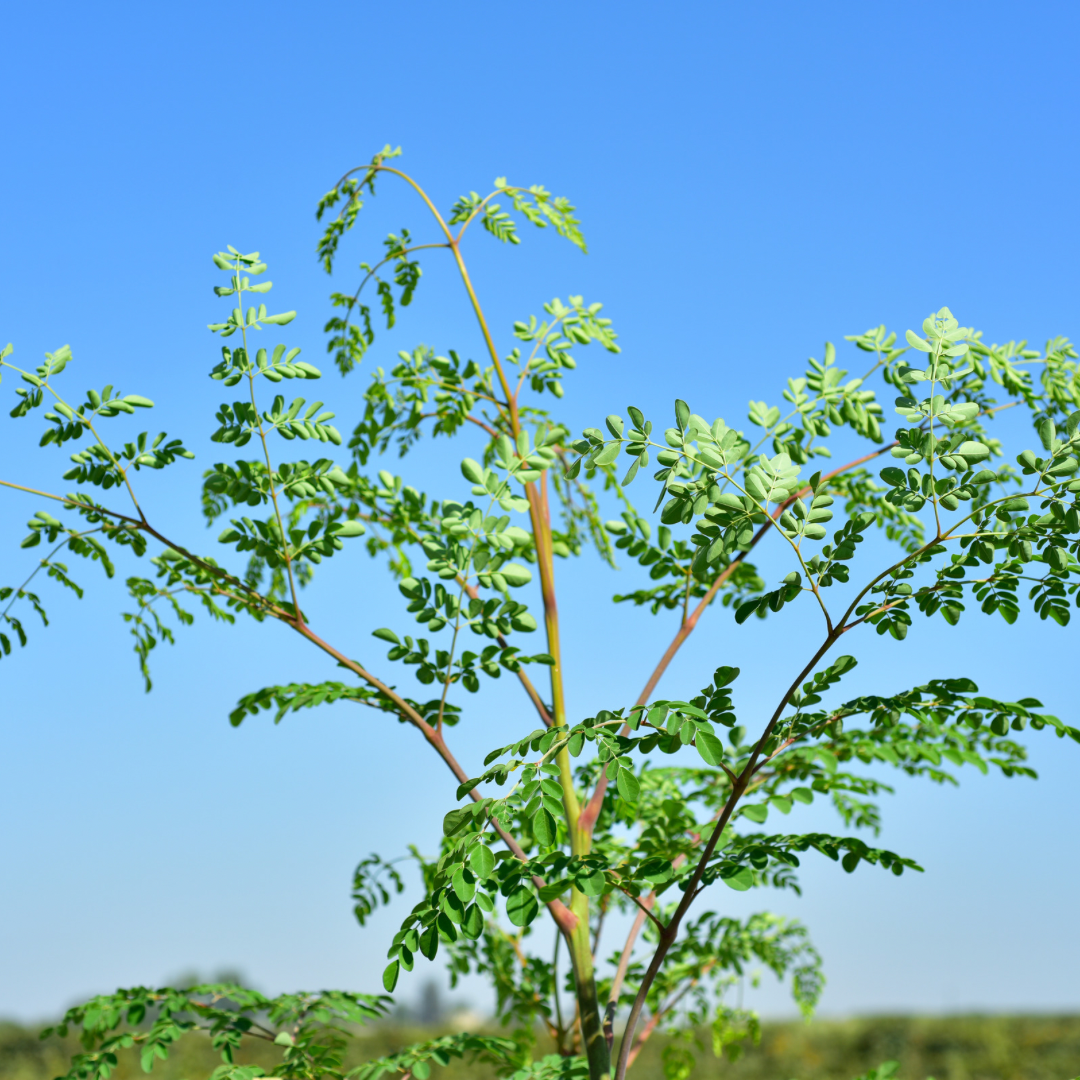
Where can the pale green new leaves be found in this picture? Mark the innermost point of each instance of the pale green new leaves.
(253, 317)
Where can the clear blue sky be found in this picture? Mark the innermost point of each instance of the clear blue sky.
(753, 179)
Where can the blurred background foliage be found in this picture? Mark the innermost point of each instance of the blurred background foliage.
(946, 1048)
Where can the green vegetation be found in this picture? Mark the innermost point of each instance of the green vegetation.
(951, 1048)
(647, 807)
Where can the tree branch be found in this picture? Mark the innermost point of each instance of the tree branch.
(564, 918)
(620, 971)
(645, 907)
(668, 935)
(591, 813)
(663, 1010)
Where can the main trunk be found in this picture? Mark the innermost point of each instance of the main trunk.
(592, 1020)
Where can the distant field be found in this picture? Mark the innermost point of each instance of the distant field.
(953, 1048)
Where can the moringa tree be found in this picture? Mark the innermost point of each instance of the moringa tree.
(645, 806)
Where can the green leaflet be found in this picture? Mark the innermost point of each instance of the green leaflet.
(482, 861)
(522, 906)
(628, 786)
(740, 880)
(709, 747)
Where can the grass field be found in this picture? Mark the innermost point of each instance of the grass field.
(952, 1048)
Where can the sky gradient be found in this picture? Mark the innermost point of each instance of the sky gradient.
(753, 180)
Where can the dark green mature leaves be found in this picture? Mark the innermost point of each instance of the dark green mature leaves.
(416, 1060)
(104, 467)
(247, 483)
(46, 528)
(12, 622)
(320, 540)
(311, 1030)
(747, 859)
(295, 696)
